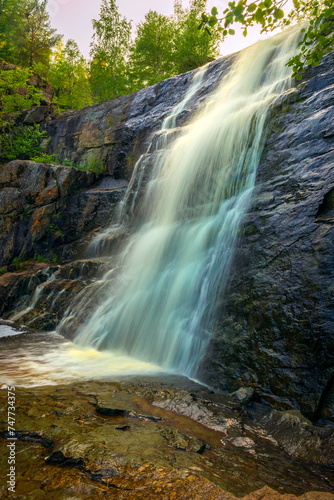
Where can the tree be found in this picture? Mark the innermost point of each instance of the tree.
(166, 46)
(35, 38)
(109, 53)
(152, 55)
(193, 47)
(15, 96)
(69, 77)
(11, 16)
(317, 38)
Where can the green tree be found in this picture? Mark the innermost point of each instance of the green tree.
(317, 38)
(11, 16)
(166, 46)
(69, 77)
(35, 36)
(109, 52)
(193, 47)
(16, 95)
(152, 55)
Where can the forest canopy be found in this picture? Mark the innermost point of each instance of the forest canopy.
(119, 64)
(162, 46)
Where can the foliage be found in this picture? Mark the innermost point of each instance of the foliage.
(152, 54)
(93, 165)
(69, 77)
(166, 46)
(11, 15)
(21, 142)
(109, 52)
(22, 263)
(317, 38)
(26, 35)
(35, 36)
(16, 94)
(193, 47)
(45, 158)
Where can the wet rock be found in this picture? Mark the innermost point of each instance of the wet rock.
(17, 287)
(58, 458)
(115, 133)
(243, 394)
(297, 436)
(47, 305)
(46, 207)
(174, 458)
(275, 331)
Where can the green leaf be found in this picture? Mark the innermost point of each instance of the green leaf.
(214, 11)
(278, 14)
(231, 32)
(252, 7)
(258, 16)
(238, 10)
(244, 32)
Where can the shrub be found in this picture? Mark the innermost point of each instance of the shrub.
(22, 142)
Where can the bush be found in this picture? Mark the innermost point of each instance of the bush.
(22, 142)
(45, 158)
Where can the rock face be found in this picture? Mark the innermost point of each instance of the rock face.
(276, 322)
(46, 209)
(275, 328)
(115, 133)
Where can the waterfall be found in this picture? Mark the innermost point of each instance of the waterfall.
(160, 305)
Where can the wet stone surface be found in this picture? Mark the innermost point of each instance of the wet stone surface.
(153, 439)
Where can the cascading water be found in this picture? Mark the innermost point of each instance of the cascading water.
(161, 305)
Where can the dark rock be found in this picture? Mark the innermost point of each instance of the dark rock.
(44, 207)
(58, 458)
(111, 412)
(39, 114)
(275, 331)
(115, 133)
(31, 437)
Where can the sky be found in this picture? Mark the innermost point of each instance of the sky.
(73, 19)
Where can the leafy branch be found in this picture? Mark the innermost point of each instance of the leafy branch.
(317, 36)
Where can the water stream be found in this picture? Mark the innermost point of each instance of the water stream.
(160, 304)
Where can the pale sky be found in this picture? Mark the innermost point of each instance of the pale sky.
(73, 19)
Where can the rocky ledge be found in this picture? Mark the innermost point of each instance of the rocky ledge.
(161, 440)
(48, 210)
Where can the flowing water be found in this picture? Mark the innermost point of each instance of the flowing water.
(159, 305)
(155, 307)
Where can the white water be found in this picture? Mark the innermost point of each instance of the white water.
(160, 307)
(35, 359)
